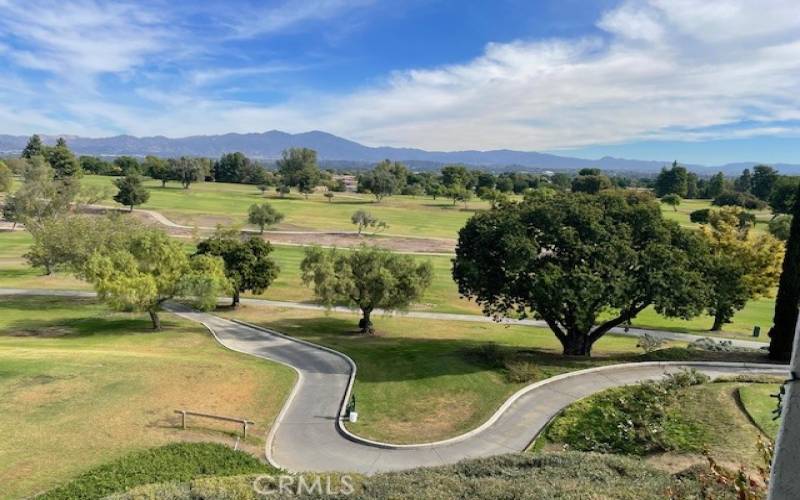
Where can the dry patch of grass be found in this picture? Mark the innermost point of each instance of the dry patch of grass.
(109, 385)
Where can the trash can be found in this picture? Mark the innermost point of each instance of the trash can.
(353, 416)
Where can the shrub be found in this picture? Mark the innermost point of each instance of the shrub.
(173, 462)
(780, 227)
(630, 420)
(521, 371)
(648, 343)
(709, 344)
(744, 200)
(700, 216)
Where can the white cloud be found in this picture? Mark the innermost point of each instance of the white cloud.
(663, 69)
(80, 38)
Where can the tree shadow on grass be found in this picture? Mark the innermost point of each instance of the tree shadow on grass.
(96, 322)
(393, 359)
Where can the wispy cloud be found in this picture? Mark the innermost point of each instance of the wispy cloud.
(659, 69)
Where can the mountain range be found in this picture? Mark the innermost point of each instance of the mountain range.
(333, 149)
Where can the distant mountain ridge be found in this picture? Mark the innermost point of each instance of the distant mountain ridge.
(331, 148)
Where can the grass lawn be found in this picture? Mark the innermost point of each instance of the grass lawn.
(210, 203)
(442, 296)
(700, 418)
(81, 385)
(421, 380)
(688, 206)
(759, 403)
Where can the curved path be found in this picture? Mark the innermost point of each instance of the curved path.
(309, 435)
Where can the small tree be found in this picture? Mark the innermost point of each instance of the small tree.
(367, 278)
(131, 191)
(152, 269)
(263, 215)
(672, 200)
(6, 178)
(364, 220)
(568, 258)
(741, 267)
(248, 265)
(329, 195)
(283, 190)
(494, 196)
(158, 169)
(65, 243)
(263, 188)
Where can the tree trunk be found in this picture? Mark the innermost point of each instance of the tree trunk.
(262, 230)
(163, 183)
(719, 320)
(577, 344)
(786, 303)
(130, 209)
(235, 302)
(365, 324)
(155, 319)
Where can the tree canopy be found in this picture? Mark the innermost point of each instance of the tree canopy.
(151, 269)
(248, 265)
(263, 215)
(298, 168)
(363, 220)
(740, 266)
(131, 192)
(367, 278)
(568, 257)
(673, 180)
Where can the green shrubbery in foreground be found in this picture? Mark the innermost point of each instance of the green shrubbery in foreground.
(571, 475)
(173, 462)
(633, 420)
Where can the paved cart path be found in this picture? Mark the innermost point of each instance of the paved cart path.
(308, 434)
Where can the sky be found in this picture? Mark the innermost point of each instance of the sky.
(699, 81)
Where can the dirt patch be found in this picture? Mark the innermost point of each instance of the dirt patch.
(396, 243)
(43, 332)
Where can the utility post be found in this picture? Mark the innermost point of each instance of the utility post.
(784, 483)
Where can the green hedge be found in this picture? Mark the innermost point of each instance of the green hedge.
(173, 462)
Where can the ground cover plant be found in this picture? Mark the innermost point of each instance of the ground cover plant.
(568, 476)
(683, 414)
(172, 462)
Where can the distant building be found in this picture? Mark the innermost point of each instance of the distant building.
(350, 182)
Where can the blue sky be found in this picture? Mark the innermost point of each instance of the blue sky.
(698, 81)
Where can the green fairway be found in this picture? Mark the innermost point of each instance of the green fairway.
(206, 204)
(688, 206)
(442, 296)
(80, 385)
(759, 403)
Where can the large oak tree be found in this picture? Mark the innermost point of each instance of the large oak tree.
(571, 257)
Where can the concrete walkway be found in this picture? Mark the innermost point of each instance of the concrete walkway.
(309, 435)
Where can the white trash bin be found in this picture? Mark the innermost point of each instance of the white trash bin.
(353, 416)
